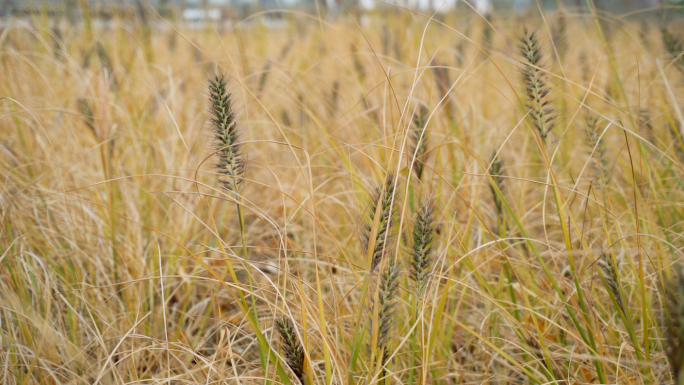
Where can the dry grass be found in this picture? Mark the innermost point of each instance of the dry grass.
(122, 258)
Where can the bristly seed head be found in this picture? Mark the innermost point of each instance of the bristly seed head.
(389, 281)
(674, 324)
(231, 164)
(601, 165)
(292, 349)
(384, 196)
(610, 278)
(421, 255)
(419, 144)
(673, 45)
(536, 88)
(496, 171)
(536, 349)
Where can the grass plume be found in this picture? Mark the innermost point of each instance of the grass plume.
(292, 349)
(231, 164)
(385, 303)
(674, 47)
(419, 141)
(600, 165)
(421, 253)
(611, 280)
(384, 197)
(536, 85)
(87, 115)
(674, 325)
(496, 171)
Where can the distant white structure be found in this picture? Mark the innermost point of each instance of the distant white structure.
(432, 5)
(194, 15)
(441, 6)
(482, 6)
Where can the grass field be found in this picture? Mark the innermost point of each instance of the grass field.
(372, 198)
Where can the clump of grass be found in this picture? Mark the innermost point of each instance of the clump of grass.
(292, 349)
(490, 295)
(537, 88)
(383, 197)
(418, 137)
(421, 253)
(674, 325)
(231, 164)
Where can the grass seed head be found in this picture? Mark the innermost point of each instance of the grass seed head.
(421, 253)
(383, 195)
(292, 349)
(610, 276)
(496, 171)
(673, 46)
(87, 115)
(601, 165)
(536, 86)
(231, 164)
(389, 282)
(674, 325)
(418, 137)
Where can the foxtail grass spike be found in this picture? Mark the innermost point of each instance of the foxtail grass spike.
(389, 281)
(673, 46)
(385, 197)
(610, 277)
(560, 38)
(388, 290)
(292, 349)
(421, 254)
(537, 89)
(645, 125)
(601, 166)
(674, 325)
(535, 349)
(231, 163)
(419, 141)
(496, 171)
(106, 62)
(87, 115)
(441, 79)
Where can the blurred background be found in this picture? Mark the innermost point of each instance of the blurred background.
(224, 11)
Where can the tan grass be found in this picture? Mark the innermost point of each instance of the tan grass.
(116, 236)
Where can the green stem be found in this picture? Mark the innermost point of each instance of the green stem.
(245, 254)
